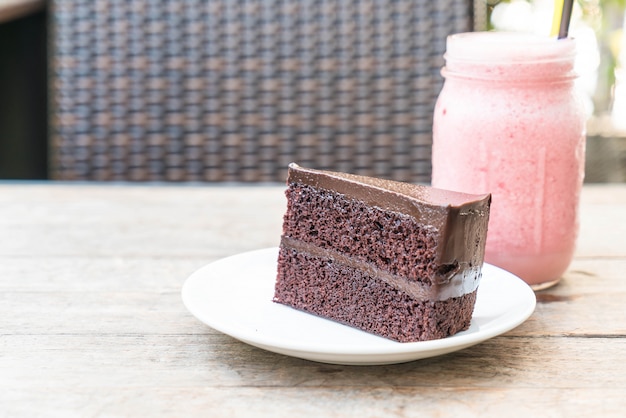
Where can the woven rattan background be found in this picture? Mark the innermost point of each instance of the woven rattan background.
(235, 90)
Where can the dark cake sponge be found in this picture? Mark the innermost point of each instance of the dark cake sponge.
(331, 290)
(352, 227)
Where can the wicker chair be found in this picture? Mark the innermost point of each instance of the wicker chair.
(193, 90)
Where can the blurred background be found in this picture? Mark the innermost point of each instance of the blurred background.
(192, 90)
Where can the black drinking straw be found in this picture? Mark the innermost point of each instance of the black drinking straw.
(566, 15)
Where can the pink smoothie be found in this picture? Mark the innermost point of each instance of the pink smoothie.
(508, 122)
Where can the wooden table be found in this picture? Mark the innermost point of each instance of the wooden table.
(92, 323)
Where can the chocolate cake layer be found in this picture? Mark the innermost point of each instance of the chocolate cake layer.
(459, 218)
(330, 289)
(433, 236)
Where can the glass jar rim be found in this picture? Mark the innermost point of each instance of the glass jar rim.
(504, 79)
(508, 48)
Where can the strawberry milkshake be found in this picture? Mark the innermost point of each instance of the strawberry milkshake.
(509, 122)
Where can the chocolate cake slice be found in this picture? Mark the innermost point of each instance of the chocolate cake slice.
(395, 259)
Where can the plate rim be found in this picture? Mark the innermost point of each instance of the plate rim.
(455, 342)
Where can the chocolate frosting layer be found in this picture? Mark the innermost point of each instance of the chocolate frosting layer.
(460, 283)
(460, 219)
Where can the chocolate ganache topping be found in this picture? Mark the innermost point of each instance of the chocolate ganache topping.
(460, 219)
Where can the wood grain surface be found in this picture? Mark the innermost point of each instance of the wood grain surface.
(92, 322)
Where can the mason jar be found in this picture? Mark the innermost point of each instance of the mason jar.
(509, 122)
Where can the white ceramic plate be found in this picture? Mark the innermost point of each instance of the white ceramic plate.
(234, 296)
